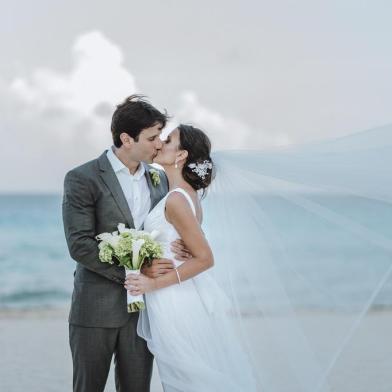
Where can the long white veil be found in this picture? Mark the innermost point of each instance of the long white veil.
(302, 242)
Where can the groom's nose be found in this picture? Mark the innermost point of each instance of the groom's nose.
(158, 144)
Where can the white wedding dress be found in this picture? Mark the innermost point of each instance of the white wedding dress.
(302, 244)
(186, 328)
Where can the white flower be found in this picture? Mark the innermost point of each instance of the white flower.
(111, 239)
(102, 236)
(136, 246)
(154, 234)
(105, 237)
(130, 247)
(114, 240)
(154, 174)
(122, 229)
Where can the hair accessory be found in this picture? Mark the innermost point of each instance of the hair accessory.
(201, 168)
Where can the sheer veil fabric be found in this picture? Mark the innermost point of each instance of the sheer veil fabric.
(302, 242)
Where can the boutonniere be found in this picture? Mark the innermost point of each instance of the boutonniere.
(154, 174)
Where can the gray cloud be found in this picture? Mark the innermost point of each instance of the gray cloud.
(58, 119)
(249, 73)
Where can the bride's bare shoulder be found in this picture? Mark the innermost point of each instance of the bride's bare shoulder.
(179, 205)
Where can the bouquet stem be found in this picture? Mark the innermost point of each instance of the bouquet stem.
(136, 306)
(134, 302)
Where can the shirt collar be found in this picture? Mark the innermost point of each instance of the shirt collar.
(118, 166)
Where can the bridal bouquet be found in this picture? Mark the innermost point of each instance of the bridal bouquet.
(129, 248)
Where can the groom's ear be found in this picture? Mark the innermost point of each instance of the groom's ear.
(127, 140)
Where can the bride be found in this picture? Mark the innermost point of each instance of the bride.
(184, 323)
(300, 243)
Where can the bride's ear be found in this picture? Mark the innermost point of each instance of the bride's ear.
(183, 155)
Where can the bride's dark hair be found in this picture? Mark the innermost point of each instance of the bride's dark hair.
(198, 145)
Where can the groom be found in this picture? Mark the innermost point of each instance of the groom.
(115, 188)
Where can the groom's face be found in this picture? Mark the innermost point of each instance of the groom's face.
(148, 144)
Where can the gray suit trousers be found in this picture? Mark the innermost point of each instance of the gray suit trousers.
(92, 350)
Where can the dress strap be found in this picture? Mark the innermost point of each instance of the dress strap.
(185, 193)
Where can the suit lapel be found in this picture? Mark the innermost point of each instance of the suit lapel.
(109, 177)
(154, 191)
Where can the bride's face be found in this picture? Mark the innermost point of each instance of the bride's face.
(169, 152)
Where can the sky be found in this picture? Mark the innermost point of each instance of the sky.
(252, 74)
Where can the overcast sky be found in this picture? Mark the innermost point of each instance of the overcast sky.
(253, 74)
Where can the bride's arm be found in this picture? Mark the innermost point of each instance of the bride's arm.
(180, 215)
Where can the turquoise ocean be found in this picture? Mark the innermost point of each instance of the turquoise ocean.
(37, 271)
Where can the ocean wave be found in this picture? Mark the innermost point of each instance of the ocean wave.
(38, 297)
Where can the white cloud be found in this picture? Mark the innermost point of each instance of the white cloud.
(225, 132)
(97, 76)
(56, 120)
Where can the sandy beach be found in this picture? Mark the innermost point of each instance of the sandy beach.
(35, 355)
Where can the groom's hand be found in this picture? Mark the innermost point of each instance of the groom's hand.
(158, 267)
(180, 251)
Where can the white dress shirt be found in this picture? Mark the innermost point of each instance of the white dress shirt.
(134, 187)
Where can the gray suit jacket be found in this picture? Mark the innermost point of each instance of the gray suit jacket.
(94, 203)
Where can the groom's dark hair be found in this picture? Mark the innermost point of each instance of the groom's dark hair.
(133, 115)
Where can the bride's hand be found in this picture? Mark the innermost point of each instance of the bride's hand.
(139, 284)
